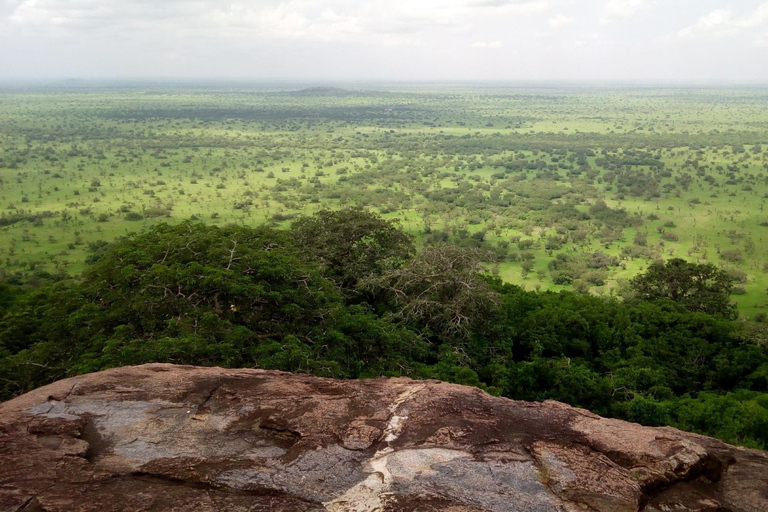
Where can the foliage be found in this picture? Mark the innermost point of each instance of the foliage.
(237, 296)
(699, 287)
(441, 289)
(194, 294)
(352, 244)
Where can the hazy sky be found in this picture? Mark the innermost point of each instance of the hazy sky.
(387, 39)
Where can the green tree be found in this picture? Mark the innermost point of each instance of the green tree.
(196, 294)
(698, 287)
(441, 288)
(352, 244)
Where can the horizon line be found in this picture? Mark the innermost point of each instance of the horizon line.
(96, 80)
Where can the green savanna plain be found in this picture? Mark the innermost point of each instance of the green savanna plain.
(568, 187)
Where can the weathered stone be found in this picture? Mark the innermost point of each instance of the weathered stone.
(162, 437)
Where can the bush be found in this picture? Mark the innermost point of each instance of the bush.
(732, 255)
(669, 236)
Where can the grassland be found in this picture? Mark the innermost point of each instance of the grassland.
(568, 187)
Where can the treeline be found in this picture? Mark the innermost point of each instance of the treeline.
(542, 141)
(345, 294)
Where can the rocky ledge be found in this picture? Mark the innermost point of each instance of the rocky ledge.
(163, 437)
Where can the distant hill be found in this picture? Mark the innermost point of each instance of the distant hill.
(71, 82)
(323, 91)
(335, 92)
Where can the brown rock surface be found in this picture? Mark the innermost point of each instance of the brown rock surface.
(163, 437)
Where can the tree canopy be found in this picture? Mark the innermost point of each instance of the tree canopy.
(699, 287)
(352, 243)
(255, 297)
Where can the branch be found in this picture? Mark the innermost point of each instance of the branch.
(232, 254)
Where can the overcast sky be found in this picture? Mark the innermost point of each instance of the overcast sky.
(656, 40)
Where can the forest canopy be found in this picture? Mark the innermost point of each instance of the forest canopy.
(345, 294)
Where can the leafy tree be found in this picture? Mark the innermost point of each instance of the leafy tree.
(352, 243)
(698, 287)
(442, 289)
(195, 294)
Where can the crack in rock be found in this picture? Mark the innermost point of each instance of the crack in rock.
(367, 495)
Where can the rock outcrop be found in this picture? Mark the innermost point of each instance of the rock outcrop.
(163, 437)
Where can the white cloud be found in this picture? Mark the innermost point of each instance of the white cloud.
(95, 14)
(509, 8)
(721, 22)
(624, 10)
(718, 22)
(486, 44)
(301, 20)
(586, 39)
(401, 39)
(757, 18)
(525, 4)
(560, 20)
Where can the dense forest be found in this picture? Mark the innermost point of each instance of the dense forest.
(347, 294)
